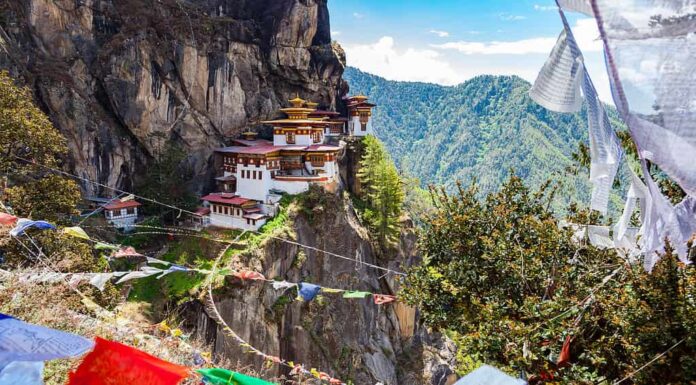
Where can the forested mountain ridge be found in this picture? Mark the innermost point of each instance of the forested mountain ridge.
(477, 130)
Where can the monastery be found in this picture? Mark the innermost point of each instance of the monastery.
(253, 173)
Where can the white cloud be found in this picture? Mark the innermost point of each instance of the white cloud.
(336, 33)
(439, 33)
(388, 59)
(545, 7)
(509, 17)
(358, 15)
(474, 32)
(518, 47)
(585, 32)
(384, 59)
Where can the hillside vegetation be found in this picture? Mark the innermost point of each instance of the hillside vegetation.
(478, 130)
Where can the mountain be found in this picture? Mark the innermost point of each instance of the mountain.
(116, 77)
(478, 130)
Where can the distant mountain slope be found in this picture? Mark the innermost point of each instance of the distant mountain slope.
(479, 130)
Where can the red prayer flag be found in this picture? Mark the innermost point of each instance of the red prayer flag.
(112, 363)
(125, 252)
(7, 219)
(381, 299)
(249, 275)
(564, 357)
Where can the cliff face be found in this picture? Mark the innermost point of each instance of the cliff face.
(116, 76)
(353, 339)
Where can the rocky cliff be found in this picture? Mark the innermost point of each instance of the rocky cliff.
(115, 76)
(352, 339)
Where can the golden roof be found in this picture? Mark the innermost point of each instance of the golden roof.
(297, 102)
(360, 97)
(311, 104)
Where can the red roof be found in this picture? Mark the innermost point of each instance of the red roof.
(253, 143)
(202, 211)
(117, 205)
(322, 147)
(261, 150)
(228, 199)
(323, 113)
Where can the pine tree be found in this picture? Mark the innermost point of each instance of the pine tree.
(383, 191)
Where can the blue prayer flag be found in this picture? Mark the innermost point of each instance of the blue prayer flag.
(308, 291)
(23, 224)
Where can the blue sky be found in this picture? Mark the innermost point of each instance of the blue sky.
(450, 41)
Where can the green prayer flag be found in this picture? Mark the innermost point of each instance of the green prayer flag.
(228, 377)
(76, 232)
(105, 246)
(356, 294)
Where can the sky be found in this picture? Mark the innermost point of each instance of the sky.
(449, 41)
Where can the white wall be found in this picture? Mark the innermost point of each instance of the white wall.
(279, 140)
(249, 188)
(291, 187)
(230, 222)
(304, 140)
(357, 126)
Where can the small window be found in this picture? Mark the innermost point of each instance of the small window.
(290, 137)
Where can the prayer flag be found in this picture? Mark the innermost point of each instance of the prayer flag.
(22, 373)
(381, 299)
(106, 246)
(144, 272)
(21, 341)
(23, 224)
(356, 294)
(331, 291)
(278, 285)
(7, 219)
(249, 275)
(564, 357)
(112, 363)
(99, 280)
(228, 377)
(125, 252)
(76, 232)
(309, 291)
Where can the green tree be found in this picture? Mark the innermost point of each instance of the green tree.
(51, 197)
(167, 179)
(382, 191)
(25, 131)
(510, 285)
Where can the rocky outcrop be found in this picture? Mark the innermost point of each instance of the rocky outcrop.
(118, 76)
(352, 339)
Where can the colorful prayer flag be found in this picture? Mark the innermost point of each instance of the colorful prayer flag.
(112, 363)
(278, 285)
(106, 246)
(76, 232)
(356, 294)
(125, 252)
(23, 224)
(564, 357)
(331, 291)
(309, 291)
(21, 341)
(22, 373)
(249, 275)
(228, 377)
(7, 219)
(381, 299)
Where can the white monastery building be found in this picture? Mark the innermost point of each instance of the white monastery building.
(253, 172)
